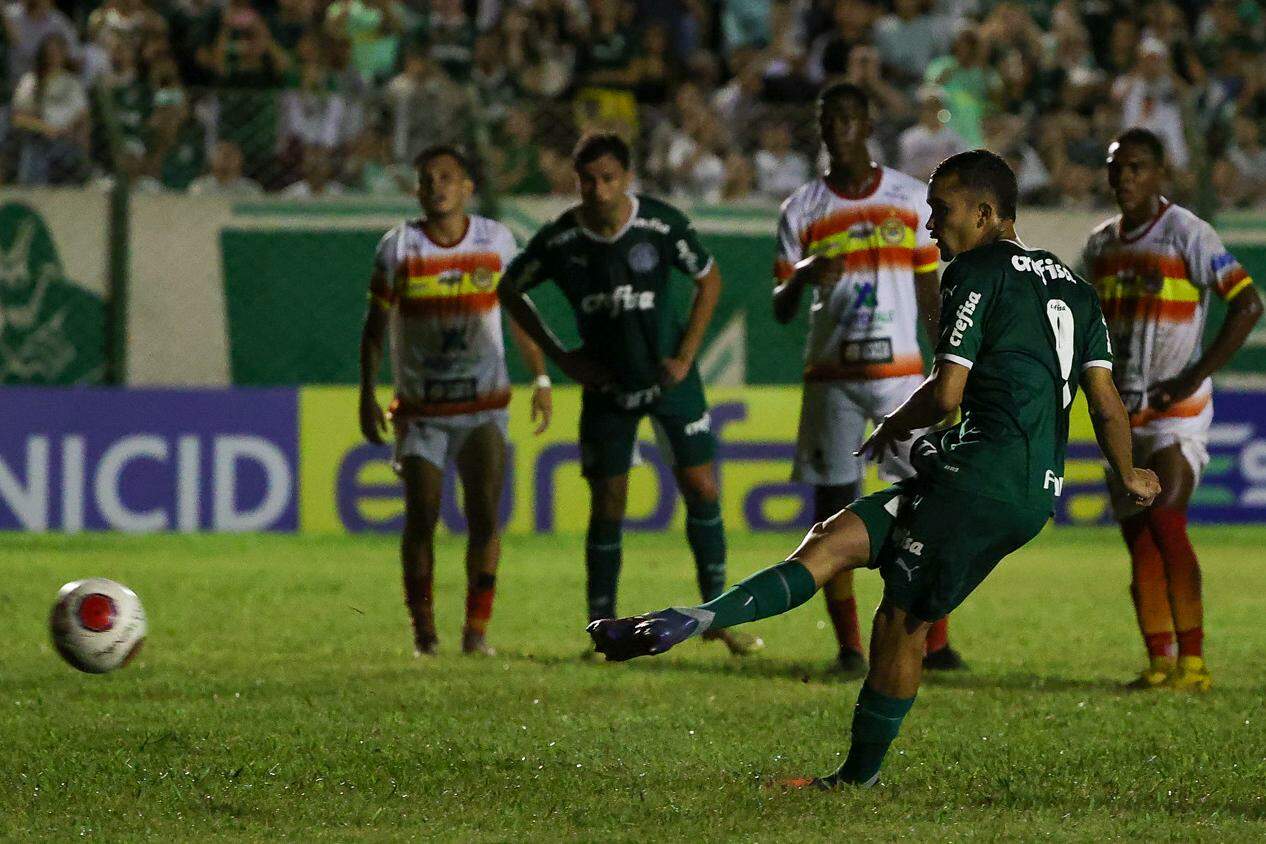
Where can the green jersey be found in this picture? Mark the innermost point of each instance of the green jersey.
(1027, 327)
(618, 286)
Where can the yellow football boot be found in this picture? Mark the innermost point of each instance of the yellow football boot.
(1191, 675)
(1155, 675)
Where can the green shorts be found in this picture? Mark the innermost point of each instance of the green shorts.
(682, 425)
(934, 545)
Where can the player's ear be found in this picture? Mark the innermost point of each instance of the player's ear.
(984, 214)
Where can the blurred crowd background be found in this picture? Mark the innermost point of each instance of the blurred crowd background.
(311, 98)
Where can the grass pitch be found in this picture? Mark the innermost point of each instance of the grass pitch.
(278, 697)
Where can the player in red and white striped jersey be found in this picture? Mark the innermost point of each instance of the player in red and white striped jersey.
(434, 289)
(1156, 265)
(858, 239)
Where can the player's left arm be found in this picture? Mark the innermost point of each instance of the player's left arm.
(690, 257)
(937, 397)
(1212, 266)
(542, 392)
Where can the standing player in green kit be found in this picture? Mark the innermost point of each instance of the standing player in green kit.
(1018, 332)
(613, 256)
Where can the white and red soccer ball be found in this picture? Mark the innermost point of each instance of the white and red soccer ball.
(97, 624)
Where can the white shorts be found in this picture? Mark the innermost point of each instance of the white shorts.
(439, 439)
(833, 418)
(1189, 433)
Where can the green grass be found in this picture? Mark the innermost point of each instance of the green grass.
(277, 697)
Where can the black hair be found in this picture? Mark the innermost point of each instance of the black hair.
(1145, 138)
(595, 145)
(843, 91)
(983, 171)
(435, 151)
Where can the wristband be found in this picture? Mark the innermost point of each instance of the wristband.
(542, 382)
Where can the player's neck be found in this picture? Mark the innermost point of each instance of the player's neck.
(852, 176)
(1002, 230)
(1141, 214)
(606, 222)
(446, 230)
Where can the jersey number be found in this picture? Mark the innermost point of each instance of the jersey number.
(1061, 319)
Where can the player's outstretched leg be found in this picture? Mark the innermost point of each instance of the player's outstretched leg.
(897, 640)
(705, 533)
(1150, 594)
(481, 467)
(422, 484)
(840, 542)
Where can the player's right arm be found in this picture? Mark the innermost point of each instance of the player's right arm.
(528, 269)
(793, 272)
(1112, 430)
(373, 422)
(1107, 411)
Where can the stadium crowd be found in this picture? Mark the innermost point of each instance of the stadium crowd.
(315, 98)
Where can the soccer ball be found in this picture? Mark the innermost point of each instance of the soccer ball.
(97, 624)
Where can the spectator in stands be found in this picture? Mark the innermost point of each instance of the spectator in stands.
(224, 177)
(909, 39)
(738, 102)
(785, 72)
(1007, 135)
(30, 22)
(695, 159)
(369, 168)
(1240, 177)
(128, 92)
(450, 33)
(654, 70)
(495, 89)
(50, 108)
(828, 55)
(1149, 97)
(605, 71)
(291, 21)
(516, 157)
(426, 106)
(374, 29)
(865, 72)
(779, 169)
(971, 86)
(248, 66)
(128, 20)
(311, 114)
(177, 139)
(744, 24)
(318, 177)
(539, 60)
(1118, 59)
(930, 141)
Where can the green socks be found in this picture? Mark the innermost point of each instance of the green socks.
(706, 536)
(602, 567)
(772, 591)
(876, 722)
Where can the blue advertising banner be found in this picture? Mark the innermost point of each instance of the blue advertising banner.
(148, 460)
(292, 459)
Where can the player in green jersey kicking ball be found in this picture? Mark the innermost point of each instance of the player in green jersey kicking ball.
(613, 256)
(1018, 332)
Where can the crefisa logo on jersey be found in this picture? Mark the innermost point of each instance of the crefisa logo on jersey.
(962, 318)
(643, 258)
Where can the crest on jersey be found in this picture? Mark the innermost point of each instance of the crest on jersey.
(643, 258)
(483, 279)
(892, 230)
